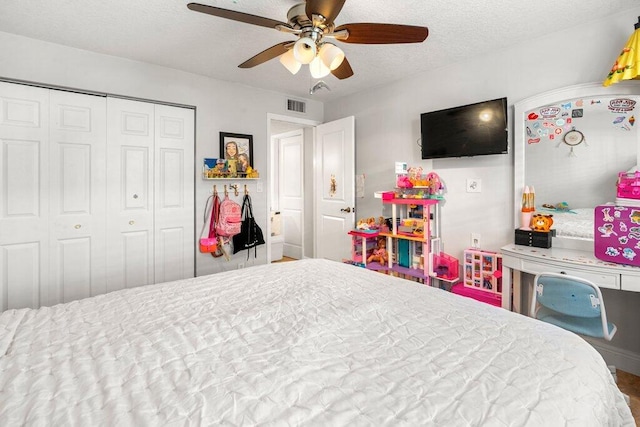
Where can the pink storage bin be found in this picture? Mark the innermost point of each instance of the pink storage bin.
(629, 185)
(388, 195)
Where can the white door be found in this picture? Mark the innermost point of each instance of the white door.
(130, 232)
(335, 188)
(77, 171)
(173, 195)
(24, 196)
(291, 191)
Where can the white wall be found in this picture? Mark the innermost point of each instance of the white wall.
(387, 128)
(220, 107)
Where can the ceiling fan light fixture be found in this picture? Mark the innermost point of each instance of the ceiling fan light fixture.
(304, 50)
(318, 69)
(331, 55)
(289, 61)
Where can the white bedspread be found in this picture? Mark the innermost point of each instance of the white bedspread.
(311, 342)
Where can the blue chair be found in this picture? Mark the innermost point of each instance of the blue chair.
(571, 303)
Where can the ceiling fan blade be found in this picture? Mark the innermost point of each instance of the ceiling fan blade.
(266, 55)
(327, 8)
(366, 33)
(235, 16)
(344, 71)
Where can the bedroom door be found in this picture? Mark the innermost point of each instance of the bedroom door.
(335, 188)
(291, 191)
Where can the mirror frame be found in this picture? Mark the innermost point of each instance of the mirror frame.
(519, 138)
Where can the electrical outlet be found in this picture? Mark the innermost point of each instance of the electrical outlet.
(240, 265)
(474, 185)
(475, 240)
(259, 187)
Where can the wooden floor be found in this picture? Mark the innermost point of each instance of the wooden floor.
(285, 259)
(630, 385)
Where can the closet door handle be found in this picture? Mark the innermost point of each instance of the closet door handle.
(77, 226)
(347, 210)
(132, 222)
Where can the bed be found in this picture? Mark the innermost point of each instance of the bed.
(311, 342)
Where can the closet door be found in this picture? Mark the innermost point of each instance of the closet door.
(174, 193)
(24, 198)
(130, 233)
(77, 171)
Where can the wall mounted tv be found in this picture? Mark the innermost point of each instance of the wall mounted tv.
(469, 130)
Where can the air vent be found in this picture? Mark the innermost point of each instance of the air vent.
(297, 106)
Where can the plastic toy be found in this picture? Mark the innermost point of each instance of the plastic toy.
(540, 222)
(404, 182)
(380, 254)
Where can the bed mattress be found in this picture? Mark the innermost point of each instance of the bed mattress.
(310, 342)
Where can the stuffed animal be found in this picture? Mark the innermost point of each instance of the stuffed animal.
(404, 182)
(540, 222)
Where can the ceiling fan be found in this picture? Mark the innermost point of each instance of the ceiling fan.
(313, 22)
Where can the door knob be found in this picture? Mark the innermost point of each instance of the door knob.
(347, 210)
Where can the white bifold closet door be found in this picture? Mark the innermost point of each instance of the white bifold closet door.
(96, 195)
(149, 193)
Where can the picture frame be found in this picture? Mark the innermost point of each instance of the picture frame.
(242, 145)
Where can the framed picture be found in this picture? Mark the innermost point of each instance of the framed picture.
(237, 150)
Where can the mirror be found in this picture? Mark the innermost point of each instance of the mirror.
(570, 145)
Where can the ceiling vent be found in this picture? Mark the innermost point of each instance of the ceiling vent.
(296, 106)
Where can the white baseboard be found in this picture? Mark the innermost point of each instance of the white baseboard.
(622, 359)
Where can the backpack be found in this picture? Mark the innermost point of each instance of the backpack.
(229, 219)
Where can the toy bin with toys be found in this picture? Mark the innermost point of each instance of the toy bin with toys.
(482, 277)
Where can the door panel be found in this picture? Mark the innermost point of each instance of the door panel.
(335, 182)
(74, 269)
(130, 131)
(291, 161)
(174, 202)
(24, 199)
(77, 149)
(21, 272)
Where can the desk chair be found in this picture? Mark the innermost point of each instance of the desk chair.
(574, 304)
(571, 303)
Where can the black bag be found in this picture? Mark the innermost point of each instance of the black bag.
(250, 235)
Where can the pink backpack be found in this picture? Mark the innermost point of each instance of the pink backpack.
(230, 219)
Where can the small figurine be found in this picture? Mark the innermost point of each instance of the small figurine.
(540, 222)
(380, 254)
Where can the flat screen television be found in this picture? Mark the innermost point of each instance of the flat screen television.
(468, 130)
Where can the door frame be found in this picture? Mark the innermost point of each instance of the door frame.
(291, 119)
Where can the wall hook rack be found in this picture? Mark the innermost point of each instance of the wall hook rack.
(235, 189)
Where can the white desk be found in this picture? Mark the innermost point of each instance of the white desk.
(517, 259)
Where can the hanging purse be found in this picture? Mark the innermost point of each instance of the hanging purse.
(250, 235)
(210, 243)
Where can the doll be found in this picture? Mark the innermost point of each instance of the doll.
(380, 252)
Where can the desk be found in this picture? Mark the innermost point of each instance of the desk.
(517, 259)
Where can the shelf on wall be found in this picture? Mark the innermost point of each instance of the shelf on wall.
(230, 179)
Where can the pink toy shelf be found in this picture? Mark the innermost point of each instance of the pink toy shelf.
(476, 294)
(483, 271)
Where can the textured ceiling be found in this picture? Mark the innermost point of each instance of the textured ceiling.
(166, 33)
